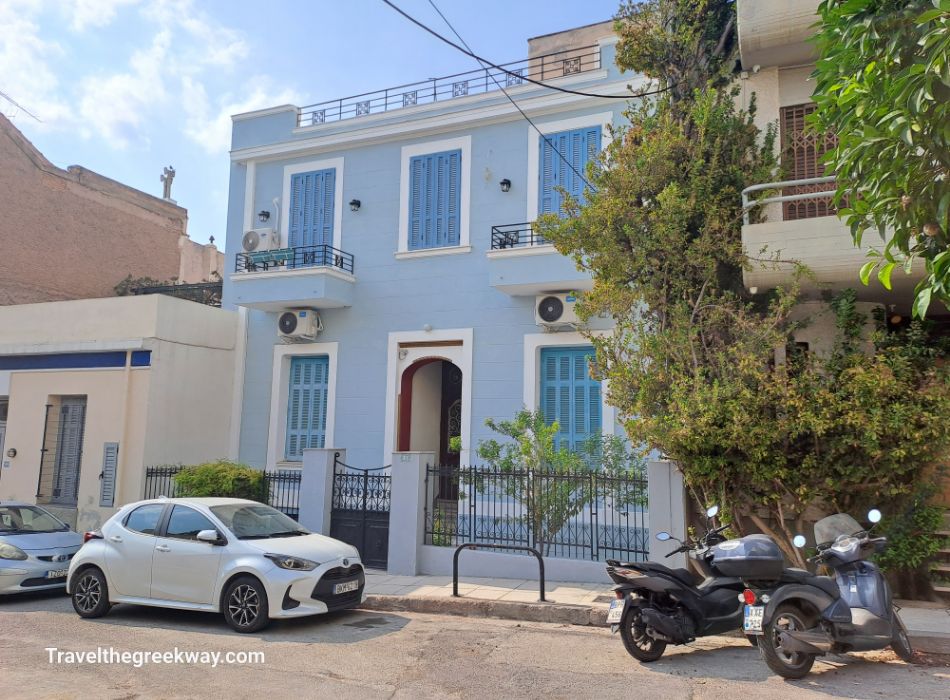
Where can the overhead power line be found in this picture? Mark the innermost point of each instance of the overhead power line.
(18, 105)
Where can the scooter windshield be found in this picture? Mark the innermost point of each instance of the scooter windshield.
(827, 530)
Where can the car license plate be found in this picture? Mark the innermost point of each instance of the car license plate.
(346, 586)
(615, 612)
(752, 621)
(57, 573)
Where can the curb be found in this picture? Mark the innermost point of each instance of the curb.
(560, 613)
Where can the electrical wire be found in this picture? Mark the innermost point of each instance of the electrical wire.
(482, 63)
(18, 105)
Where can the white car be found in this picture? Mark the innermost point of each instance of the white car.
(241, 558)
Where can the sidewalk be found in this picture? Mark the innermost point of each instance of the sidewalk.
(572, 603)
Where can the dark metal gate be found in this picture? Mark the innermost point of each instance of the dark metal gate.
(360, 511)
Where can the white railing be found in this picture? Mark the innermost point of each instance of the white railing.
(748, 203)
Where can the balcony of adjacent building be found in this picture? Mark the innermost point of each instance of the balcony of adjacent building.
(776, 32)
(313, 276)
(522, 263)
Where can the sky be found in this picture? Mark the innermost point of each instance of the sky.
(127, 87)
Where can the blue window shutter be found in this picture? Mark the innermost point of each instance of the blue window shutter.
(110, 461)
(306, 405)
(435, 200)
(569, 395)
(312, 201)
(578, 148)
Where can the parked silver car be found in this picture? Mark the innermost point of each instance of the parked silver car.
(35, 548)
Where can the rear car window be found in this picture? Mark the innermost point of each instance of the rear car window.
(145, 519)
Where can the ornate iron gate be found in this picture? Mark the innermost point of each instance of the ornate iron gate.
(360, 511)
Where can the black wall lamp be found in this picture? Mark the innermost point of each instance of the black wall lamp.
(355, 205)
(505, 185)
(263, 215)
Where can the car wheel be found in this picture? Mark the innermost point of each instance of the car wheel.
(245, 605)
(91, 593)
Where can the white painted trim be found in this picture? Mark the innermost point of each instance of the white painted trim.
(294, 169)
(462, 143)
(522, 252)
(358, 133)
(71, 347)
(604, 119)
(531, 397)
(461, 356)
(295, 272)
(280, 382)
(250, 184)
(237, 398)
(266, 112)
(431, 252)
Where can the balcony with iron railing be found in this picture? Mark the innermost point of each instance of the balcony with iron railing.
(798, 225)
(522, 262)
(544, 68)
(317, 276)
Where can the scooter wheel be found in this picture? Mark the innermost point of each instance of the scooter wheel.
(900, 642)
(786, 664)
(636, 641)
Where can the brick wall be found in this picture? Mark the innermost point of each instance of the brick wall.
(72, 234)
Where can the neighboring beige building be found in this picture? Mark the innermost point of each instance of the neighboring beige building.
(93, 391)
(74, 234)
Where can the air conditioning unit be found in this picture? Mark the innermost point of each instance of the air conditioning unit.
(555, 311)
(299, 326)
(259, 239)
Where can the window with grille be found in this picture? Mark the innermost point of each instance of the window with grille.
(802, 151)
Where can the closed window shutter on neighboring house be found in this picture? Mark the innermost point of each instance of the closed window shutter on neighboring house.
(110, 461)
(802, 152)
(69, 449)
(435, 200)
(312, 198)
(569, 395)
(578, 148)
(306, 405)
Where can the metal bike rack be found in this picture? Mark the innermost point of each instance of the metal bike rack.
(474, 545)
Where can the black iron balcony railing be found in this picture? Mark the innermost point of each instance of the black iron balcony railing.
(294, 258)
(208, 293)
(475, 82)
(515, 236)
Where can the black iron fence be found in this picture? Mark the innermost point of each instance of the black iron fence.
(591, 515)
(515, 236)
(279, 489)
(294, 258)
(208, 293)
(475, 82)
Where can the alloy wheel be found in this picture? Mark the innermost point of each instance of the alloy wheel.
(787, 622)
(88, 593)
(244, 605)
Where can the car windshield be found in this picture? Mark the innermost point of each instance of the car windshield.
(827, 530)
(252, 521)
(22, 520)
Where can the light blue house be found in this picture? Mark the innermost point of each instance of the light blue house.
(394, 222)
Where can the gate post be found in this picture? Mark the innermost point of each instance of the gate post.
(666, 510)
(406, 518)
(316, 488)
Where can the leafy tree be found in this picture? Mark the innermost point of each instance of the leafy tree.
(883, 86)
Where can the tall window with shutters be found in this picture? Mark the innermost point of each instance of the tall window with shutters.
(802, 151)
(578, 147)
(306, 405)
(569, 395)
(311, 209)
(435, 200)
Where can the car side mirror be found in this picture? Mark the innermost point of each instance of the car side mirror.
(664, 536)
(212, 536)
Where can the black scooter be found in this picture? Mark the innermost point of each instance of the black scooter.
(657, 605)
(851, 612)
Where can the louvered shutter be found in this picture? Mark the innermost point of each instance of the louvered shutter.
(72, 423)
(110, 461)
(576, 148)
(569, 395)
(312, 197)
(306, 405)
(802, 153)
(435, 200)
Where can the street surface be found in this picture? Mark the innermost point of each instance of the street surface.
(380, 655)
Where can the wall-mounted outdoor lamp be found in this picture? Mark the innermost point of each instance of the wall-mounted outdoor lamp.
(11, 453)
(263, 215)
(355, 204)
(505, 185)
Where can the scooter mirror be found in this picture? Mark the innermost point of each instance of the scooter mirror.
(874, 515)
(712, 511)
(799, 541)
(664, 536)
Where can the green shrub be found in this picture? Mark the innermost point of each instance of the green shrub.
(221, 478)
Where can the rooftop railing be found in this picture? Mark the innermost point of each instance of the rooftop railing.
(475, 82)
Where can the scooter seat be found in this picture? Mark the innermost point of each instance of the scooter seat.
(825, 583)
(684, 576)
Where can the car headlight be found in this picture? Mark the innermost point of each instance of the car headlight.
(9, 551)
(293, 563)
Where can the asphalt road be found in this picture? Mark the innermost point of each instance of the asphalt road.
(368, 655)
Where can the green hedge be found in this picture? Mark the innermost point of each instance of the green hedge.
(221, 478)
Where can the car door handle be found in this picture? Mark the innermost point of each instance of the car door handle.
(162, 548)
(115, 538)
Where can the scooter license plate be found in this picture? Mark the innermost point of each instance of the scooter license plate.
(752, 620)
(615, 612)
